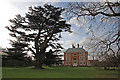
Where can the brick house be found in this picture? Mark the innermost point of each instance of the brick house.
(75, 57)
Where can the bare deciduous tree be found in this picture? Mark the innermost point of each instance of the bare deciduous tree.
(105, 34)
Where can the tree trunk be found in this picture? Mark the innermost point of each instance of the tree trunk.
(40, 59)
(39, 54)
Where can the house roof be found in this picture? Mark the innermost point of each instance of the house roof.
(72, 50)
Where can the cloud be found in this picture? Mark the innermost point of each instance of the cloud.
(80, 22)
(74, 32)
(68, 42)
(84, 42)
(81, 42)
(60, 0)
(33, 0)
(7, 12)
(51, 2)
(82, 25)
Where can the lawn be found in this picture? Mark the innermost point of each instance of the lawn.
(58, 72)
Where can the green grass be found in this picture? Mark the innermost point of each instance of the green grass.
(58, 72)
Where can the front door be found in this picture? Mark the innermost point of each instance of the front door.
(75, 61)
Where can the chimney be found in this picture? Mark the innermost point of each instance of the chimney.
(73, 46)
(78, 45)
(93, 57)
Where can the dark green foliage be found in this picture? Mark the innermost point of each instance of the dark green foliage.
(17, 56)
(16, 63)
(18, 51)
(52, 58)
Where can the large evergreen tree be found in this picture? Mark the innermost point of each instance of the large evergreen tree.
(42, 26)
